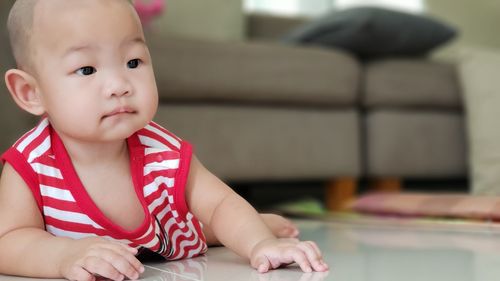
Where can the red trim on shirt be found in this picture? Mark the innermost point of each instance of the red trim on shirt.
(181, 178)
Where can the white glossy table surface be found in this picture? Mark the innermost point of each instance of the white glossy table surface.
(360, 251)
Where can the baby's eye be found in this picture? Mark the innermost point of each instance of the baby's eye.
(133, 63)
(86, 70)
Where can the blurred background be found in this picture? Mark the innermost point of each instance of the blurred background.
(313, 101)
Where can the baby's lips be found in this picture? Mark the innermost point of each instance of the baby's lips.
(119, 110)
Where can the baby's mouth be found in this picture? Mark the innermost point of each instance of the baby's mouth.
(119, 111)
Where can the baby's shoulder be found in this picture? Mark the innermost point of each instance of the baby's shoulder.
(36, 143)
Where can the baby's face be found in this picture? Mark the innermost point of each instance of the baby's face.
(93, 68)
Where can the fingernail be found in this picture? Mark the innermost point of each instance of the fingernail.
(141, 269)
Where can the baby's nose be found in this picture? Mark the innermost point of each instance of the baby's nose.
(118, 85)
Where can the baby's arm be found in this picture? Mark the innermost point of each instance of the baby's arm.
(238, 226)
(28, 250)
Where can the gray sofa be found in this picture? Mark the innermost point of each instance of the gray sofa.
(413, 120)
(259, 110)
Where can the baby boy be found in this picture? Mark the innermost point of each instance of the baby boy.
(97, 182)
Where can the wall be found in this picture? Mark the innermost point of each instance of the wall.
(13, 121)
(212, 19)
(477, 20)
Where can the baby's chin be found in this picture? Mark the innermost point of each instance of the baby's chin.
(122, 132)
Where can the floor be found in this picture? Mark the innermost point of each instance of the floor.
(359, 249)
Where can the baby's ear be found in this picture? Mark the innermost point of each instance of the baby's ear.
(23, 89)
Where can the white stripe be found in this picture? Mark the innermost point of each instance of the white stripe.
(147, 141)
(69, 216)
(168, 164)
(168, 138)
(46, 170)
(155, 184)
(33, 135)
(185, 243)
(151, 150)
(158, 201)
(64, 233)
(173, 221)
(79, 235)
(163, 212)
(39, 150)
(164, 165)
(197, 250)
(189, 234)
(175, 214)
(56, 193)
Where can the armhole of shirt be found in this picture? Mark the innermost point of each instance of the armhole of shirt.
(181, 178)
(21, 166)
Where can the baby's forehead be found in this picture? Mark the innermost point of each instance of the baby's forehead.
(35, 22)
(86, 22)
(75, 16)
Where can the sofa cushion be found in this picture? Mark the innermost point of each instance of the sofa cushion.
(266, 143)
(411, 83)
(374, 32)
(196, 70)
(479, 70)
(415, 144)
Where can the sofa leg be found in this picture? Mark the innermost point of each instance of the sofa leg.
(386, 185)
(339, 193)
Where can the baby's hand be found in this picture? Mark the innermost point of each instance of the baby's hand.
(273, 253)
(91, 257)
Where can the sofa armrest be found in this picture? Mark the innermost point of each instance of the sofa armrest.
(191, 70)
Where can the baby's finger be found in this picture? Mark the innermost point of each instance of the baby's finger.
(262, 264)
(313, 254)
(129, 254)
(315, 246)
(300, 258)
(79, 274)
(96, 265)
(128, 248)
(123, 262)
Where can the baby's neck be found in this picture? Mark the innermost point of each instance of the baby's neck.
(91, 153)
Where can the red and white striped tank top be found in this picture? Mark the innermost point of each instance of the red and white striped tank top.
(159, 162)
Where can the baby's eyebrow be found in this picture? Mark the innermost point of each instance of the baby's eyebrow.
(79, 48)
(90, 47)
(134, 40)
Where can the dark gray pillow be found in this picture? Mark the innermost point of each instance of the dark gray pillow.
(374, 32)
